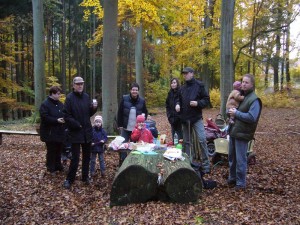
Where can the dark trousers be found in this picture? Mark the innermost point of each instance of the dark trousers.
(53, 156)
(177, 127)
(86, 152)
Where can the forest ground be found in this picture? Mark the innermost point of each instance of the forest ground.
(29, 195)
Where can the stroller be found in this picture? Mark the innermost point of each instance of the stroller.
(214, 130)
(221, 152)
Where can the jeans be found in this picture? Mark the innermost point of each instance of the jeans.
(93, 162)
(237, 157)
(86, 151)
(200, 132)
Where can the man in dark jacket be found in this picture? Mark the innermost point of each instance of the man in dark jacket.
(192, 99)
(78, 110)
(130, 107)
(241, 132)
(52, 129)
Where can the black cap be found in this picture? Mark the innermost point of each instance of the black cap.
(187, 70)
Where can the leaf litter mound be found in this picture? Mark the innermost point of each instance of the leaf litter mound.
(30, 195)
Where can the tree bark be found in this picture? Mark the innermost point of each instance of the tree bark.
(227, 70)
(137, 180)
(39, 54)
(138, 59)
(109, 64)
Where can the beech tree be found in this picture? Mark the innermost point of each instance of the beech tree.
(39, 53)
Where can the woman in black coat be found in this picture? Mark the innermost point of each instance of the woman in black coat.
(171, 101)
(52, 129)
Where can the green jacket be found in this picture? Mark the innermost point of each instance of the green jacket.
(245, 130)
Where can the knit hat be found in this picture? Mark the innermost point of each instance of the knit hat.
(237, 85)
(140, 119)
(99, 118)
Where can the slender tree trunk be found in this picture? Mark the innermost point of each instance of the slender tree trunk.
(227, 70)
(109, 63)
(63, 49)
(138, 60)
(39, 53)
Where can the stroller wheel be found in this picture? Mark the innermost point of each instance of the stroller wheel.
(211, 149)
(251, 159)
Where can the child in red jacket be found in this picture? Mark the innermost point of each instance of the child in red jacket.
(140, 132)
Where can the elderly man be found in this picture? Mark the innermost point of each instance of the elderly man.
(241, 132)
(192, 99)
(78, 110)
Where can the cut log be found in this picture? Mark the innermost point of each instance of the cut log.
(137, 180)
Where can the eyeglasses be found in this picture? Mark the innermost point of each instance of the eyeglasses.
(79, 84)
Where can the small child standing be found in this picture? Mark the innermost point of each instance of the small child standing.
(234, 99)
(140, 132)
(98, 140)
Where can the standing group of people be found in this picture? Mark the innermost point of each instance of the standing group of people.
(184, 111)
(74, 115)
(184, 106)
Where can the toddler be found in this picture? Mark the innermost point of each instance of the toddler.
(98, 140)
(234, 99)
(140, 132)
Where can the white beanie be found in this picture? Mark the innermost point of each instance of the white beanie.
(98, 118)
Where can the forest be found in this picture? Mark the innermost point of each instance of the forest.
(113, 43)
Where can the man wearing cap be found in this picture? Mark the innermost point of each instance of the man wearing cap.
(78, 110)
(192, 99)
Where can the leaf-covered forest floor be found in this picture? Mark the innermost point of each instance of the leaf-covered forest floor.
(29, 195)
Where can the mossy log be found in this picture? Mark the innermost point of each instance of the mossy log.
(137, 180)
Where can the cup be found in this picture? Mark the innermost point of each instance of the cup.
(95, 103)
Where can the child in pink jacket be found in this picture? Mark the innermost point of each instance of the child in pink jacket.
(140, 132)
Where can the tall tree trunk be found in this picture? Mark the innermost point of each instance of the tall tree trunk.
(63, 49)
(227, 70)
(276, 63)
(109, 63)
(138, 60)
(207, 71)
(39, 54)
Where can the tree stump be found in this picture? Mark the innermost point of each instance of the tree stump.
(137, 180)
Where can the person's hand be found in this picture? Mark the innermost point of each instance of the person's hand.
(61, 120)
(93, 144)
(177, 108)
(193, 103)
(101, 141)
(232, 111)
(140, 126)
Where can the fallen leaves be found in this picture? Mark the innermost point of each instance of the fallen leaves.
(30, 195)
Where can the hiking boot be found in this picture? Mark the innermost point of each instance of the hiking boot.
(239, 188)
(231, 183)
(103, 174)
(87, 181)
(67, 184)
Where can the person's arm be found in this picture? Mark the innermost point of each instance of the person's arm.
(145, 110)
(203, 100)
(46, 117)
(250, 116)
(120, 114)
(135, 135)
(71, 122)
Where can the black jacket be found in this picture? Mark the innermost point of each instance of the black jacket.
(50, 129)
(78, 111)
(192, 90)
(172, 99)
(124, 109)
